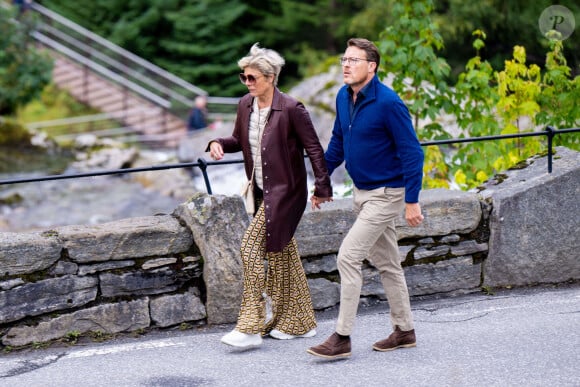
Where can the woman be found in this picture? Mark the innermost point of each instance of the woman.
(272, 130)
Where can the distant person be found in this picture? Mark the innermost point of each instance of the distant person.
(23, 5)
(373, 134)
(198, 115)
(273, 131)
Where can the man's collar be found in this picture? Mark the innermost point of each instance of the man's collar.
(362, 92)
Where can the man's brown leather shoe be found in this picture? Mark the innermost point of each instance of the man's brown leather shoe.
(397, 339)
(334, 347)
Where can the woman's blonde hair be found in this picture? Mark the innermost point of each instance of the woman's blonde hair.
(265, 60)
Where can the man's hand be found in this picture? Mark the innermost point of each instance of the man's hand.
(413, 214)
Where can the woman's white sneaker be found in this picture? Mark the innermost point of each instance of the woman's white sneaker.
(275, 333)
(242, 340)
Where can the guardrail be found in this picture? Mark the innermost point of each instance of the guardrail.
(134, 76)
(119, 65)
(202, 164)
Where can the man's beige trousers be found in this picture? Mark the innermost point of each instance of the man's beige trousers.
(373, 237)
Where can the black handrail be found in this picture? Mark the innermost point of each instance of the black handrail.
(202, 164)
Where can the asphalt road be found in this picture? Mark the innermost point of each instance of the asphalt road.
(522, 337)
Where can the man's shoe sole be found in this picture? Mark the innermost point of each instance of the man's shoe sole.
(338, 356)
(397, 347)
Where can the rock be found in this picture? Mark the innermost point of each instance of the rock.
(453, 275)
(446, 212)
(322, 231)
(46, 296)
(138, 283)
(216, 220)
(535, 223)
(175, 309)
(27, 253)
(108, 318)
(324, 293)
(150, 236)
(104, 159)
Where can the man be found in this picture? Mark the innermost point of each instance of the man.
(198, 116)
(373, 134)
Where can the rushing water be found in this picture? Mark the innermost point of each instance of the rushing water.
(93, 200)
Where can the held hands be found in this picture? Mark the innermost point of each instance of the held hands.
(216, 151)
(413, 214)
(316, 201)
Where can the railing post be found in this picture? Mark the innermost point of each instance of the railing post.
(550, 132)
(203, 167)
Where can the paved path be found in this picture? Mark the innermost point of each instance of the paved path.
(523, 337)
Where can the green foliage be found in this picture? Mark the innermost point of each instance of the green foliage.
(199, 38)
(13, 133)
(504, 88)
(202, 41)
(484, 102)
(514, 100)
(72, 337)
(100, 336)
(508, 23)
(487, 290)
(52, 104)
(559, 97)
(409, 47)
(372, 19)
(23, 70)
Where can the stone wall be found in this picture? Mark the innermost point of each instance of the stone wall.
(163, 271)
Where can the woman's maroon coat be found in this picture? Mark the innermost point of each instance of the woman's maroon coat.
(288, 133)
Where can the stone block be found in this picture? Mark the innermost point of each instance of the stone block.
(321, 232)
(97, 267)
(326, 264)
(24, 253)
(34, 299)
(324, 293)
(138, 283)
(109, 318)
(446, 212)
(131, 238)
(430, 252)
(217, 220)
(468, 247)
(175, 309)
(535, 223)
(457, 274)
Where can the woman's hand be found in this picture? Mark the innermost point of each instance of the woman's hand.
(316, 201)
(216, 151)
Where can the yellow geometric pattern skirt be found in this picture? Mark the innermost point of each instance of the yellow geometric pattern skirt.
(280, 276)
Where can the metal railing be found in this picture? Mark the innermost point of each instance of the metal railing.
(202, 164)
(131, 72)
(106, 124)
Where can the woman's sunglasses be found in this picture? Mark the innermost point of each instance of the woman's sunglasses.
(248, 78)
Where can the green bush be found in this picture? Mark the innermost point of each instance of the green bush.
(13, 134)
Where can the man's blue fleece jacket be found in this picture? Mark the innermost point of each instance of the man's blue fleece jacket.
(378, 143)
